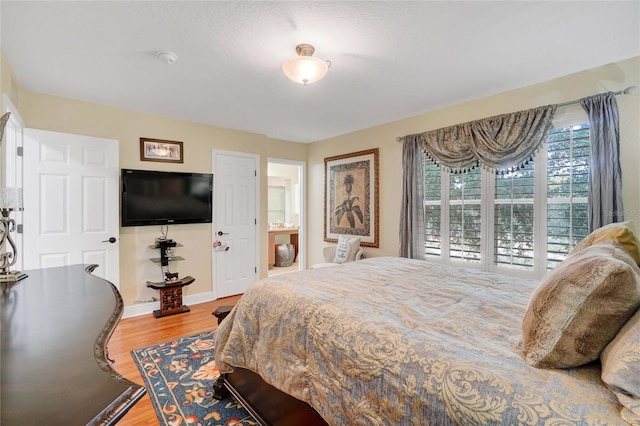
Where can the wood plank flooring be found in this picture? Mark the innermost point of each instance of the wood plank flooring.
(145, 330)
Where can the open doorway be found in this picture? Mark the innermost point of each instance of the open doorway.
(285, 215)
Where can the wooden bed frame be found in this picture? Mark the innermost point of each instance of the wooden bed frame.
(268, 405)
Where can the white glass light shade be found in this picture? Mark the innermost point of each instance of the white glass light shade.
(11, 199)
(305, 69)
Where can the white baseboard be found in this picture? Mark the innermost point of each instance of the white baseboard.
(148, 308)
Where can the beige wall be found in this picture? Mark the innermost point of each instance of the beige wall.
(8, 81)
(610, 77)
(64, 115)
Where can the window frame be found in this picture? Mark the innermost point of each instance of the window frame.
(566, 118)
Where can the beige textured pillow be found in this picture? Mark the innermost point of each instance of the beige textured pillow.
(354, 243)
(621, 368)
(347, 249)
(623, 232)
(580, 306)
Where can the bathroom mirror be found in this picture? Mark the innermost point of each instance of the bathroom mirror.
(276, 204)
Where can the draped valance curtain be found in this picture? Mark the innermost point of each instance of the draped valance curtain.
(501, 142)
(504, 143)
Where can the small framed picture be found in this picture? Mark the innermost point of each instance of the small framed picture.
(161, 150)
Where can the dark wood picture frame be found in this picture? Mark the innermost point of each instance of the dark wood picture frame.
(351, 197)
(161, 150)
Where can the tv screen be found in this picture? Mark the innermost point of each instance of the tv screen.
(165, 198)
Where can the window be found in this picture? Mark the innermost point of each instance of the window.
(464, 215)
(432, 209)
(526, 220)
(567, 190)
(514, 218)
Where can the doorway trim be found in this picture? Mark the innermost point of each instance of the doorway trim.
(302, 235)
(12, 166)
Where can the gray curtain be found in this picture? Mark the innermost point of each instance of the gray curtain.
(411, 235)
(504, 142)
(499, 142)
(605, 176)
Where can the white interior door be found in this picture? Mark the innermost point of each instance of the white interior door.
(71, 202)
(235, 224)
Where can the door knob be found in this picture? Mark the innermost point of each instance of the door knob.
(110, 240)
(220, 233)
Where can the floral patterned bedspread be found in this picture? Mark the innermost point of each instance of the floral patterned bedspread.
(398, 341)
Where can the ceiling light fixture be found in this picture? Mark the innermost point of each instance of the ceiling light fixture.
(304, 68)
(168, 57)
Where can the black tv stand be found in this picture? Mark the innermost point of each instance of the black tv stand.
(163, 245)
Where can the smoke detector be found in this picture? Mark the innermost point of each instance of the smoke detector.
(168, 57)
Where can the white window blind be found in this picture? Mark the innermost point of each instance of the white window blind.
(514, 218)
(464, 215)
(567, 190)
(433, 209)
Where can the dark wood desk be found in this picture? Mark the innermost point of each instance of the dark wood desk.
(54, 367)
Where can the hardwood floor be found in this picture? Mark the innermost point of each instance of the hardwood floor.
(145, 330)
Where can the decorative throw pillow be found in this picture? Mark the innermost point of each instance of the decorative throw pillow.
(623, 232)
(579, 306)
(347, 249)
(621, 368)
(355, 247)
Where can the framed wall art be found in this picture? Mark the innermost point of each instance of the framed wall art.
(351, 197)
(161, 150)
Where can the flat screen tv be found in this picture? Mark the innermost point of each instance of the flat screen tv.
(165, 198)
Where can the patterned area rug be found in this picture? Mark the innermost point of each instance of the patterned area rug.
(179, 376)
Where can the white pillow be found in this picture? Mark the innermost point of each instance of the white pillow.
(347, 249)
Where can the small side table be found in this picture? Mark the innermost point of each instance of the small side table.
(171, 296)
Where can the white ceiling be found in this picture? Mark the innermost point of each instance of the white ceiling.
(390, 59)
